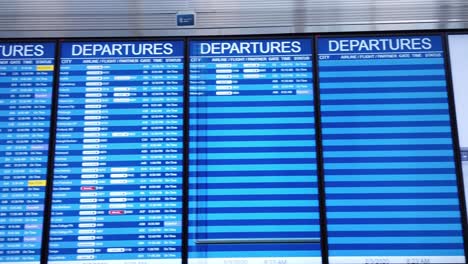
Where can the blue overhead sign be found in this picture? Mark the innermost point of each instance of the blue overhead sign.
(185, 19)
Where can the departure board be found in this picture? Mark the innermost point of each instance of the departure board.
(26, 81)
(390, 179)
(253, 178)
(118, 157)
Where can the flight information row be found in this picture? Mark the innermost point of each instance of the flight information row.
(102, 128)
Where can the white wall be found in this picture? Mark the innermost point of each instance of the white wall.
(458, 45)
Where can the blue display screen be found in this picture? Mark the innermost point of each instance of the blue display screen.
(253, 171)
(117, 190)
(26, 81)
(390, 178)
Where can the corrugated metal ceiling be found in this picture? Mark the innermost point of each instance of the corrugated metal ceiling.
(85, 18)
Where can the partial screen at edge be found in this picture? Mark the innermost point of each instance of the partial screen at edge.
(118, 155)
(253, 179)
(459, 64)
(390, 178)
(26, 83)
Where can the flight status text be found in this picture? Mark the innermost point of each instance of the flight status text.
(26, 80)
(118, 165)
(253, 184)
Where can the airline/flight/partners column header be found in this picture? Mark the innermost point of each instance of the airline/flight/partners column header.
(117, 192)
(390, 178)
(253, 178)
